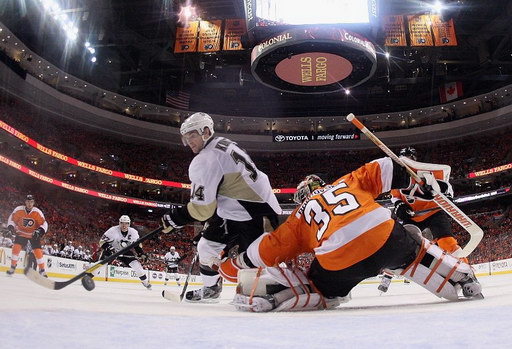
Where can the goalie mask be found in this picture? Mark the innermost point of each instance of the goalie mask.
(306, 187)
(409, 152)
(196, 122)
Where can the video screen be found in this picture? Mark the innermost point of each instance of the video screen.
(300, 12)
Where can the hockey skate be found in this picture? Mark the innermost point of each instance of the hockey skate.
(206, 294)
(471, 288)
(42, 272)
(10, 271)
(385, 282)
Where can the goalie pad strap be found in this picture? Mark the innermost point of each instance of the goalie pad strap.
(255, 284)
(291, 286)
(421, 253)
(448, 276)
(434, 269)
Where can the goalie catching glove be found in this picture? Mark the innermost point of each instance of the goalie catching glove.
(429, 186)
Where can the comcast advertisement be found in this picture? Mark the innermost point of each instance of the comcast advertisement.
(319, 137)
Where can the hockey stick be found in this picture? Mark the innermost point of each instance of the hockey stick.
(476, 233)
(57, 285)
(171, 296)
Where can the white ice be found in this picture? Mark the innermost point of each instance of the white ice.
(116, 315)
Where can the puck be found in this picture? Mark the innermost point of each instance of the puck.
(88, 283)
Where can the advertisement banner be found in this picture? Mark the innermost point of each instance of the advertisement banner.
(209, 36)
(394, 27)
(91, 192)
(490, 171)
(115, 273)
(420, 30)
(501, 266)
(4, 126)
(186, 38)
(444, 32)
(329, 136)
(233, 31)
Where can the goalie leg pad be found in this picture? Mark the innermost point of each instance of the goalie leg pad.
(257, 293)
(439, 272)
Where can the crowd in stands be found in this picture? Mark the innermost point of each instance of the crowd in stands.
(76, 220)
(116, 153)
(82, 220)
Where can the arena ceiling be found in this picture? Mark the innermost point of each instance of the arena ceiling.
(134, 41)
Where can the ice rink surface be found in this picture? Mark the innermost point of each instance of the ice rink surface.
(117, 315)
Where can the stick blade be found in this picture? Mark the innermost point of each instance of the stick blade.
(171, 296)
(39, 279)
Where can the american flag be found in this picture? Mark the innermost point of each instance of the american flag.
(178, 99)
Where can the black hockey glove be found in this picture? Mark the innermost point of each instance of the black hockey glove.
(107, 250)
(38, 233)
(143, 258)
(195, 239)
(11, 229)
(168, 224)
(402, 210)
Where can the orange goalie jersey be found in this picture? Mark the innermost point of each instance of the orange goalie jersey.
(440, 172)
(25, 222)
(341, 223)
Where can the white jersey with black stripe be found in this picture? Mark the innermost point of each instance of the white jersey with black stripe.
(224, 178)
(117, 239)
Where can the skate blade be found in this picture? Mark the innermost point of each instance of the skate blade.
(206, 301)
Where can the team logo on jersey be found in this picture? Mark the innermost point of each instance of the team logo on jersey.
(28, 222)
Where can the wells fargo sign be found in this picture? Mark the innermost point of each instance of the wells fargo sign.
(313, 60)
(314, 68)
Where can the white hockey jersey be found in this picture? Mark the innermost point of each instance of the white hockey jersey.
(172, 259)
(117, 240)
(5, 242)
(225, 179)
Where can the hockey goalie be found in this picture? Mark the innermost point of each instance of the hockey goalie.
(352, 238)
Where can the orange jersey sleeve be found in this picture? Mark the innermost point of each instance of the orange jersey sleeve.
(341, 223)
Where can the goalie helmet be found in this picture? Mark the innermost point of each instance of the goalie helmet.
(197, 122)
(124, 219)
(306, 187)
(409, 152)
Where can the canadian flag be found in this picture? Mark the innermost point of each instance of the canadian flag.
(450, 91)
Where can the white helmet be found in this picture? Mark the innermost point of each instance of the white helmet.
(124, 219)
(173, 248)
(197, 122)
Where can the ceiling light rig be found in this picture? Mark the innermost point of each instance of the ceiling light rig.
(53, 8)
(187, 13)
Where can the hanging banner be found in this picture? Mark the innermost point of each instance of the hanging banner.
(209, 36)
(186, 38)
(444, 32)
(420, 30)
(394, 28)
(233, 31)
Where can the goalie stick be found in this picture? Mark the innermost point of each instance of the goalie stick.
(57, 285)
(476, 233)
(171, 296)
